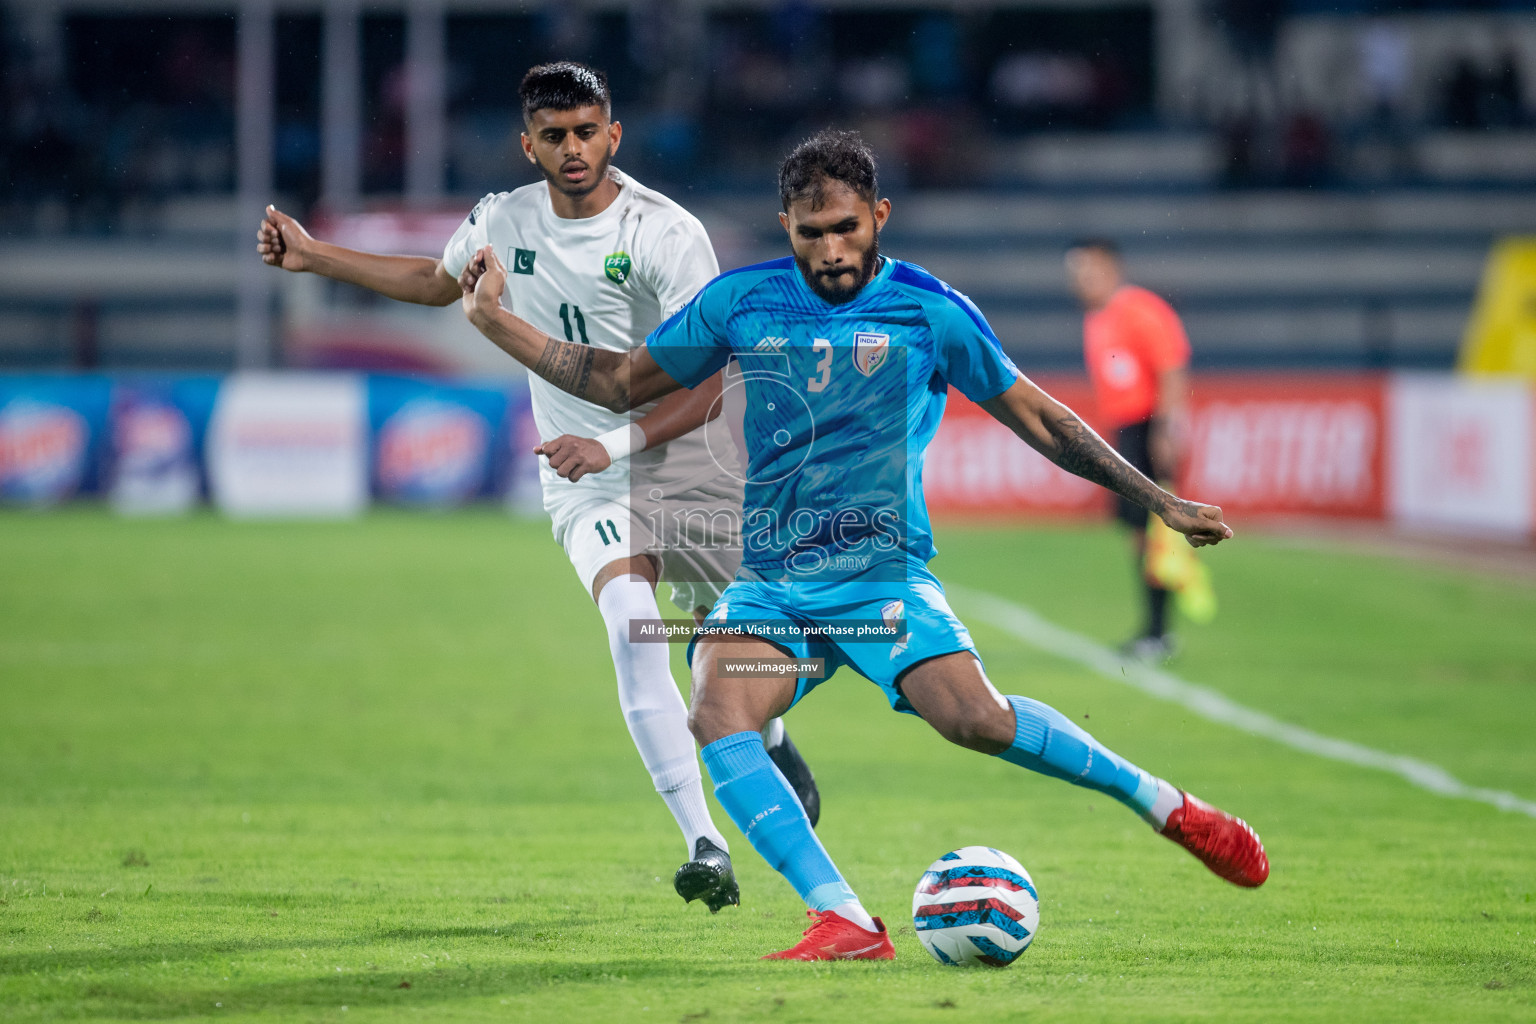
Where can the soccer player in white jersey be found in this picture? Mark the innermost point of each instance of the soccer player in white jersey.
(598, 259)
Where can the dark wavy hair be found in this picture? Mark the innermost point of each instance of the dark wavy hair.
(563, 85)
(829, 155)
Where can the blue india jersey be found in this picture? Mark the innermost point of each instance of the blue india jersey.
(841, 403)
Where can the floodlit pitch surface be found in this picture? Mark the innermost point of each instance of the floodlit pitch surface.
(376, 771)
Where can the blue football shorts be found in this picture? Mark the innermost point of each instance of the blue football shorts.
(763, 609)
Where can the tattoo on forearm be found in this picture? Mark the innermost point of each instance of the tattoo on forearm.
(592, 374)
(1081, 451)
(566, 365)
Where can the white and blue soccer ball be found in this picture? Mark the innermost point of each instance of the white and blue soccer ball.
(976, 907)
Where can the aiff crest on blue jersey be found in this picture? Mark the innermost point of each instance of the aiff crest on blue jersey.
(869, 351)
(835, 442)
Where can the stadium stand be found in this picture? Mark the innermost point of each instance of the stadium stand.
(1313, 185)
(1278, 279)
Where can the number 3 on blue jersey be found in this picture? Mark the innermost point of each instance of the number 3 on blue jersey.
(824, 367)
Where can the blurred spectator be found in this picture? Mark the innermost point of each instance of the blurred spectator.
(1462, 98)
(1252, 26)
(931, 142)
(1238, 165)
(937, 57)
(875, 84)
(1306, 156)
(567, 27)
(1506, 95)
(797, 27)
(296, 146)
(1043, 80)
(1472, 99)
(1385, 68)
(384, 134)
(1252, 29)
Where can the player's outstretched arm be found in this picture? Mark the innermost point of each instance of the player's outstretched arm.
(679, 413)
(1057, 433)
(282, 242)
(615, 380)
(682, 412)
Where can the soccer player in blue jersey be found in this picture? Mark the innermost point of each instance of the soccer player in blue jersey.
(847, 356)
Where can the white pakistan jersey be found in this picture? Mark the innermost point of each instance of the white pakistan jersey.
(605, 281)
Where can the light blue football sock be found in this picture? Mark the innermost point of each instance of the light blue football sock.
(1046, 741)
(762, 804)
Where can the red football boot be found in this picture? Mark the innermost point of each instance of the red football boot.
(831, 937)
(1226, 845)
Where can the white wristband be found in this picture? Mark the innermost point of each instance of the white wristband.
(622, 442)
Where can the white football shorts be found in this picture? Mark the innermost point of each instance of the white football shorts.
(695, 535)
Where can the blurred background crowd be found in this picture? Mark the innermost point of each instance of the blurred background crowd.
(1312, 182)
(108, 107)
(1333, 195)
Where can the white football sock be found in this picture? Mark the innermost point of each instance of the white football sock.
(1169, 799)
(654, 710)
(856, 913)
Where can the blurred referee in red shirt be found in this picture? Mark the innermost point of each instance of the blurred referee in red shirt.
(1138, 362)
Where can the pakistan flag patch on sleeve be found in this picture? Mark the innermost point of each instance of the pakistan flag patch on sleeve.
(616, 267)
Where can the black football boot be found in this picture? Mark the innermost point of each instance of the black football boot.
(708, 877)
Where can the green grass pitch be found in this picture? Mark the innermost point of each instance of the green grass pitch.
(376, 771)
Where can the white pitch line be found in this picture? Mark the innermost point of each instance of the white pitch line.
(1023, 624)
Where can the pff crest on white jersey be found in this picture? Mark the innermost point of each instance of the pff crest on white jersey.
(605, 281)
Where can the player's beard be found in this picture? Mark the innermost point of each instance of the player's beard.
(822, 284)
(597, 177)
